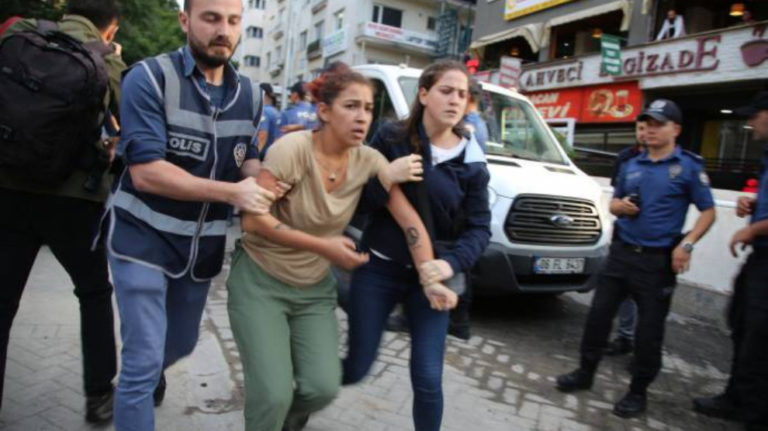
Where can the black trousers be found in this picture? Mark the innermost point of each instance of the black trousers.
(66, 225)
(646, 277)
(748, 317)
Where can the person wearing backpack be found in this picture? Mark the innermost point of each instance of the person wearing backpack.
(62, 210)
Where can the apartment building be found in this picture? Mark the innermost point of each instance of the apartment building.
(302, 36)
(249, 55)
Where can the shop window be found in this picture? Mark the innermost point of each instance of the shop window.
(699, 16)
(514, 47)
(387, 15)
(611, 140)
(583, 37)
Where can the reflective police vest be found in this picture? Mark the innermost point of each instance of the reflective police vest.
(178, 236)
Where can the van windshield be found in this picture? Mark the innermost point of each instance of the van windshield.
(514, 128)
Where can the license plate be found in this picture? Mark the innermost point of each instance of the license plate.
(558, 265)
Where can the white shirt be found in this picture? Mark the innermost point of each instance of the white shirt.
(677, 28)
(440, 155)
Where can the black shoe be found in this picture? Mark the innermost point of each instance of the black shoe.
(297, 425)
(720, 406)
(630, 406)
(159, 394)
(619, 346)
(577, 380)
(98, 408)
(459, 331)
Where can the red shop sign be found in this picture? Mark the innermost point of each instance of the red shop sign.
(610, 103)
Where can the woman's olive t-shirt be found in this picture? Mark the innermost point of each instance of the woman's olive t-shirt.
(308, 207)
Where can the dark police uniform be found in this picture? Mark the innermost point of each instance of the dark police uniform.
(640, 260)
(748, 385)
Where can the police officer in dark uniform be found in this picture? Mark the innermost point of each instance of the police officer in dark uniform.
(624, 340)
(746, 395)
(651, 200)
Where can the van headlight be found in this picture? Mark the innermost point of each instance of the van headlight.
(492, 197)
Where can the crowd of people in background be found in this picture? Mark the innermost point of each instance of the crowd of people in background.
(197, 141)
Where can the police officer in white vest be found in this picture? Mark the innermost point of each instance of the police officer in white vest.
(188, 122)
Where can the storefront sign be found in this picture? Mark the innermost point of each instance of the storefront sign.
(398, 35)
(335, 43)
(687, 61)
(612, 103)
(517, 8)
(509, 72)
(610, 49)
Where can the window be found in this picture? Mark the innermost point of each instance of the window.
(699, 16)
(583, 37)
(339, 17)
(431, 23)
(387, 15)
(383, 109)
(257, 4)
(319, 30)
(303, 40)
(252, 61)
(269, 59)
(254, 32)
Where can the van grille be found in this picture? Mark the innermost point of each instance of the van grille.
(534, 219)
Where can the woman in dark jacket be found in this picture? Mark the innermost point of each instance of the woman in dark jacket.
(452, 201)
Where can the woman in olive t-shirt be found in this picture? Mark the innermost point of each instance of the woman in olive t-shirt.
(282, 296)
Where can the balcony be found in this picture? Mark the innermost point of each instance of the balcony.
(277, 31)
(275, 68)
(314, 50)
(395, 37)
(318, 5)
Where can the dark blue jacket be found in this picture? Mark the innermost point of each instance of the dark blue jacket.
(458, 195)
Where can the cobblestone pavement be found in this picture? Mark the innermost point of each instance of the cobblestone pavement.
(502, 379)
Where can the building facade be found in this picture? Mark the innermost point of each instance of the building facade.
(302, 36)
(716, 63)
(250, 53)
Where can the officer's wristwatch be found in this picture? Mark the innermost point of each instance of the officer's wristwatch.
(688, 247)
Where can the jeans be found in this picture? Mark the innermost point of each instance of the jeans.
(627, 318)
(159, 324)
(66, 225)
(649, 280)
(376, 288)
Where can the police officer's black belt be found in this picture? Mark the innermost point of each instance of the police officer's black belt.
(640, 249)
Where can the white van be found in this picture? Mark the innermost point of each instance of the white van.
(550, 232)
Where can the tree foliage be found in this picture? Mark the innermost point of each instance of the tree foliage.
(147, 27)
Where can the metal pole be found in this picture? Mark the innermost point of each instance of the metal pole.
(287, 66)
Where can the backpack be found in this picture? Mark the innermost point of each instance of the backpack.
(52, 90)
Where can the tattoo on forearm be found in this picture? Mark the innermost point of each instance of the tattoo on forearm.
(282, 226)
(412, 236)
